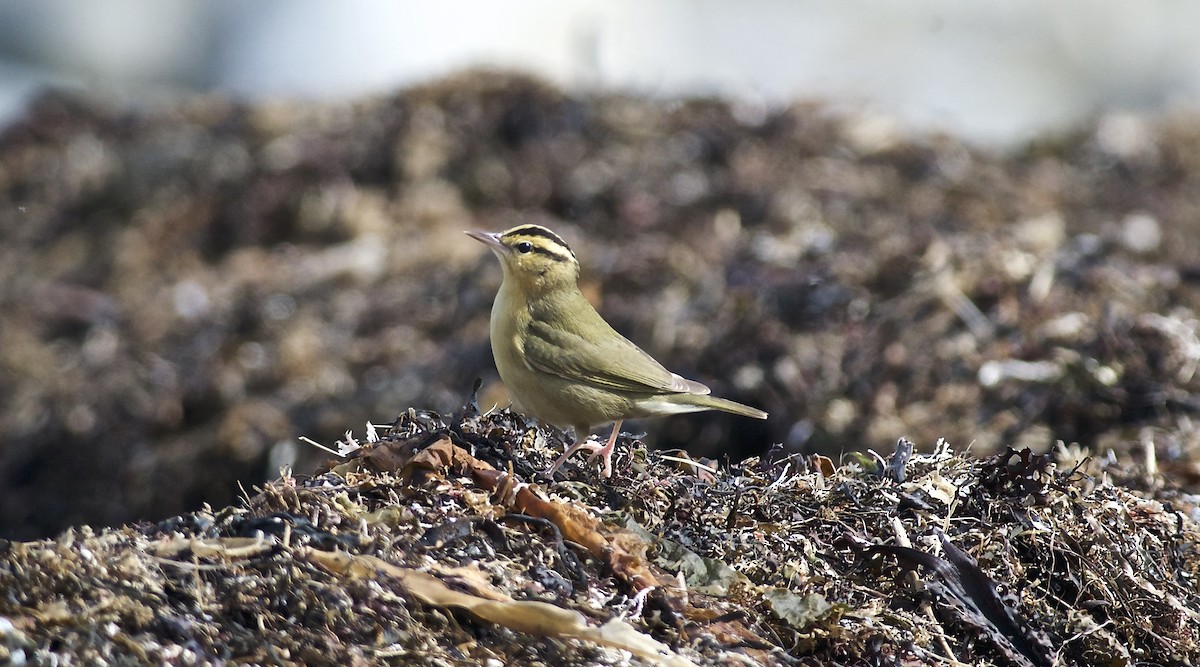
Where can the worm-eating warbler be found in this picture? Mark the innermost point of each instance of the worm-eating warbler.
(562, 362)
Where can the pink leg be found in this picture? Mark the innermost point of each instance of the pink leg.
(607, 451)
(581, 442)
(597, 450)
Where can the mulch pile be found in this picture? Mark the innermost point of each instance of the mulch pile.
(186, 288)
(430, 544)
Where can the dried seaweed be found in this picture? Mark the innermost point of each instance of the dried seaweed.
(185, 288)
(425, 545)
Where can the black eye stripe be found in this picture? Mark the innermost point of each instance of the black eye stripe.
(559, 257)
(538, 232)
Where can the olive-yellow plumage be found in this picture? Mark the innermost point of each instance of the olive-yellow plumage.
(561, 361)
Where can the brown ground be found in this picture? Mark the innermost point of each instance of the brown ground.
(429, 546)
(185, 290)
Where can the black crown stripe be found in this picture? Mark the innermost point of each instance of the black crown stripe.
(541, 232)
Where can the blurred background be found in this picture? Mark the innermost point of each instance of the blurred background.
(993, 72)
(226, 225)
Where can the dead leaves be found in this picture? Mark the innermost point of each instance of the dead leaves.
(623, 552)
(491, 605)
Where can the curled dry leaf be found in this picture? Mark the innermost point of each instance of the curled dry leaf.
(532, 617)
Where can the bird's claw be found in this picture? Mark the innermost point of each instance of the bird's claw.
(606, 453)
(594, 447)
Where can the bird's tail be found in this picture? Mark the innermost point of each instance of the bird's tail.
(708, 402)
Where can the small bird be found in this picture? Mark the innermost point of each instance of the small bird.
(562, 362)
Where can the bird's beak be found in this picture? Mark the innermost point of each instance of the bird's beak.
(489, 239)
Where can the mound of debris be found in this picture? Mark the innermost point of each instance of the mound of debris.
(185, 288)
(434, 542)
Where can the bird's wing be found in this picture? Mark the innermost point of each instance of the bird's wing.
(608, 360)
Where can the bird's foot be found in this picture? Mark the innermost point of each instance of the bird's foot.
(586, 443)
(606, 451)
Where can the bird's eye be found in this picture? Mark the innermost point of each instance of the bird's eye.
(524, 247)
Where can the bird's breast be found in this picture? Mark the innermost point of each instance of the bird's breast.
(510, 318)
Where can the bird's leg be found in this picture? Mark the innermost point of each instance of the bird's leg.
(607, 450)
(580, 443)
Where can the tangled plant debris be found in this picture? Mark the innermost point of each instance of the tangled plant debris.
(184, 289)
(431, 542)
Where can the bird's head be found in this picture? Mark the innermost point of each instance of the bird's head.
(533, 256)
